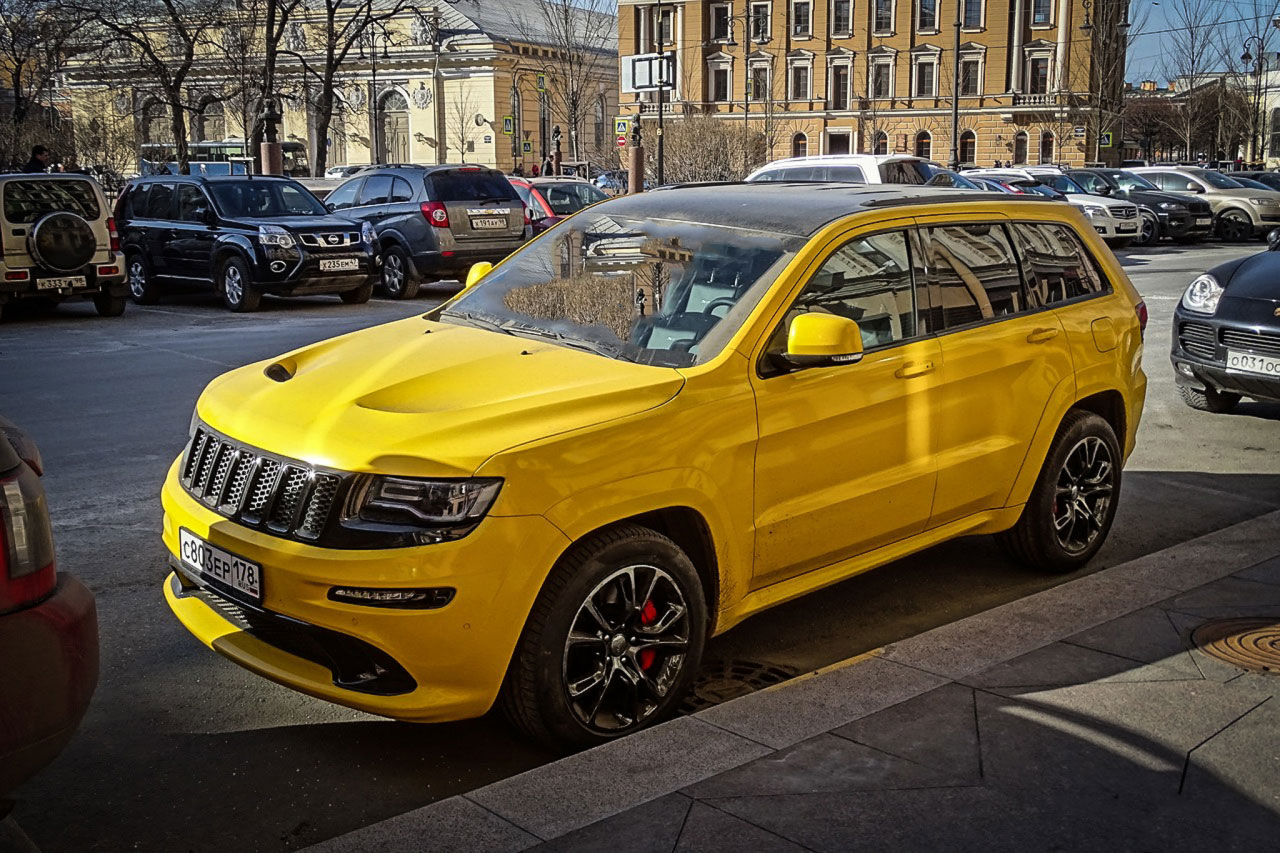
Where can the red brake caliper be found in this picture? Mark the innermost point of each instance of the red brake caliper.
(648, 615)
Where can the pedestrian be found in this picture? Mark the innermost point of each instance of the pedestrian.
(518, 171)
(998, 165)
(547, 165)
(535, 170)
(40, 158)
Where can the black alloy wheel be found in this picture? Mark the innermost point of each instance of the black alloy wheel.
(1149, 231)
(1234, 226)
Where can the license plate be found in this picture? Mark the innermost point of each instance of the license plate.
(1205, 221)
(338, 264)
(59, 283)
(1127, 226)
(489, 222)
(1243, 362)
(213, 563)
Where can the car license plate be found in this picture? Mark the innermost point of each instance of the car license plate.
(1205, 221)
(1127, 226)
(489, 222)
(1243, 362)
(213, 563)
(59, 283)
(338, 264)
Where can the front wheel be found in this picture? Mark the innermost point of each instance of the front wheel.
(1149, 234)
(238, 291)
(108, 305)
(1209, 400)
(1234, 226)
(612, 642)
(359, 296)
(1073, 503)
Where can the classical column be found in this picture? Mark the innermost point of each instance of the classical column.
(1017, 25)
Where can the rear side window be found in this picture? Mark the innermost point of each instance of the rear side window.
(470, 185)
(905, 172)
(159, 200)
(1057, 266)
(976, 273)
(135, 204)
(844, 173)
(401, 191)
(344, 196)
(28, 200)
(376, 190)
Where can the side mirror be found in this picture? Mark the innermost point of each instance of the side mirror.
(1273, 240)
(477, 272)
(330, 206)
(1106, 190)
(823, 340)
(205, 215)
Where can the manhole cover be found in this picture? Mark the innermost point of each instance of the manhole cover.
(722, 680)
(1252, 644)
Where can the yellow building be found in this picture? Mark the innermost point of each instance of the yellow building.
(1038, 80)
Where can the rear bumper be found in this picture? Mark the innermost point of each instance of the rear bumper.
(459, 260)
(50, 654)
(94, 284)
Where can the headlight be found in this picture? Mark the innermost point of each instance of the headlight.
(1094, 210)
(413, 511)
(1170, 205)
(274, 235)
(367, 233)
(1203, 295)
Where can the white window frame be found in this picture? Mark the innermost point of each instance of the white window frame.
(927, 30)
(1039, 53)
(893, 19)
(728, 21)
(1031, 16)
(889, 61)
(831, 12)
(982, 17)
(767, 17)
(665, 11)
(960, 147)
(713, 66)
(791, 23)
(767, 67)
(847, 64)
(923, 58)
(979, 56)
(807, 64)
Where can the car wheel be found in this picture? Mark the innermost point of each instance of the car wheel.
(397, 282)
(1149, 234)
(108, 305)
(142, 287)
(238, 291)
(612, 642)
(1073, 503)
(1209, 400)
(359, 296)
(1234, 226)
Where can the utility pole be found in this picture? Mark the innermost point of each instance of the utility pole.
(1257, 92)
(955, 92)
(662, 87)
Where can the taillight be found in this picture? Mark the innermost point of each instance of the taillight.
(525, 208)
(1141, 308)
(113, 234)
(27, 571)
(435, 214)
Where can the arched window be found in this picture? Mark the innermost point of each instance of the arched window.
(1046, 147)
(924, 144)
(153, 122)
(968, 148)
(212, 121)
(799, 145)
(1020, 148)
(881, 144)
(1275, 133)
(393, 147)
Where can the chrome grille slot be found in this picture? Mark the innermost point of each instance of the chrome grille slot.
(1257, 342)
(1197, 339)
(1126, 211)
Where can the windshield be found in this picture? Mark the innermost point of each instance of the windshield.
(28, 199)
(1251, 183)
(1131, 181)
(657, 292)
(265, 199)
(1062, 184)
(569, 197)
(1218, 180)
(1038, 189)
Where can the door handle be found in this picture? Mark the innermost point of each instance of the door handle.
(1040, 336)
(915, 368)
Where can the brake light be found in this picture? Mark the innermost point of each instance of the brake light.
(113, 234)
(525, 208)
(1141, 308)
(17, 275)
(435, 214)
(27, 571)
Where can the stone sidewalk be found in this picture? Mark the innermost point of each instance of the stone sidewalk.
(1082, 717)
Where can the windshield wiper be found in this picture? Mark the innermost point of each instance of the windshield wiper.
(478, 321)
(514, 327)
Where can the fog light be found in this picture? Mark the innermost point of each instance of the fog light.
(1185, 370)
(430, 598)
(108, 270)
(277, 266)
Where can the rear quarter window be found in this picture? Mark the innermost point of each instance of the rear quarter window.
(1057, 266)
(28, 200)
(470, 185)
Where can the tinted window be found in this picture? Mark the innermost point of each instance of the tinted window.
(1174, 182)
(1058, 267)
(906, 172)
(401, 191)
(843, 173)
(1061, 183)
(28, 200)
(1130, 181)
(136, 201)
(344, 196)
(190, 202)
(976, 273)
(376, 190)
(1219, 181)
(567, 198)
(159, 201)
(1092, 183)
(470, 185)
(265, 199)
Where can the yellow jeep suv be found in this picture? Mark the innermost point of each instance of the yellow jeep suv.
(669, 412)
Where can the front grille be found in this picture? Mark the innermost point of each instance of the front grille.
(1200, 208)
(1262, 343)
(1197, 339)
(331, 240)
(1124, 211)
(242, 483)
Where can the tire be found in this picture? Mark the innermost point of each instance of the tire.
(397, 280)
(1234, 226)
(1209, 400)
(1149, 231)
(1072, 476)
(235, 283)
(359, 296)
(142, 287)
(619, 694)
(108, 305)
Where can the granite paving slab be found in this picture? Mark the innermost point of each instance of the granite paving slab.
(653, 827)
(1268, 572)
(1066, 663)
(937, 729)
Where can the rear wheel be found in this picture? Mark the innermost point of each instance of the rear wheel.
(1149, 233)
(1073, 503)
(397, 281)
(238, 291)
(1209, 400)
(1234, 226)
(359, 296)
(142, 286)
(108, 305)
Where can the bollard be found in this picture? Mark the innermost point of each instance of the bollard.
(272, 158)
(635, 169)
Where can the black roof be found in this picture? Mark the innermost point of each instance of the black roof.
(787, 207)
(213, 179)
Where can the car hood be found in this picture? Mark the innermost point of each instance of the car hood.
(1081, 199)
(1247, 193)
(300, 223)
(1254, 277)
(421, 398)
(1152, 198)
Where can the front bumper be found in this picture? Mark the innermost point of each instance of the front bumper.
(50, 655)
(454, 657)
(296, 271)
(1183, 225)
(1115, 229)
(1199, 353)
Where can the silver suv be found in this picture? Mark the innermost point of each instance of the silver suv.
(1239, 212)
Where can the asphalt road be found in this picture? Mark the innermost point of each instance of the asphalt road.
(182, 750)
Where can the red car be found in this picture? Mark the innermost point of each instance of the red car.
(548, 200)
(48, 624)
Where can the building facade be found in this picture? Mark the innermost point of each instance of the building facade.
(1037, 81)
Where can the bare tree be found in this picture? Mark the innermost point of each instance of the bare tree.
(1191, 51)
(461, 123)
(1243, 46)
(1151, 120)
(35, 41)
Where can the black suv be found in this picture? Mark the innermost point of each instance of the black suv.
(1163, 214)
(433, 222)
(246, 235)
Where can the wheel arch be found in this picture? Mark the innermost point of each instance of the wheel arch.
(228, 248)
(1109, 405)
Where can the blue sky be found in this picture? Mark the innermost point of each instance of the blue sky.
(1146, 52)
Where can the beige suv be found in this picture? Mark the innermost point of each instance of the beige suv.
(1239, 212)
(59, 242)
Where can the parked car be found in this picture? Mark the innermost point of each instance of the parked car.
(1115, 220)
(644, 427)
(613, 182)
(1270, 179)
(992, 185)
(1226, 333)
(339, 172)
(548, 200)
(245, 236)
(949, 178)
(48, 623)
(1163, 214)
(59, 242)
(1239, 213)
(856, 168)
(433, 222)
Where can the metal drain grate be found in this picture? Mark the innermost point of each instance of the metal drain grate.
(1251, 644)
(720, 681)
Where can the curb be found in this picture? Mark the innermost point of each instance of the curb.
(557, 798)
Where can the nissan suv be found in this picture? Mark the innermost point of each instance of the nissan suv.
(246, 235)
(646, 425)
(1239, 213)
(433, 222)
(1182, 219)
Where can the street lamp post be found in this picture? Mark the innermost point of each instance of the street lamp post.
(374, 33)
(662, 88)
(955, 93)
(745, 18)
(1246, 58)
